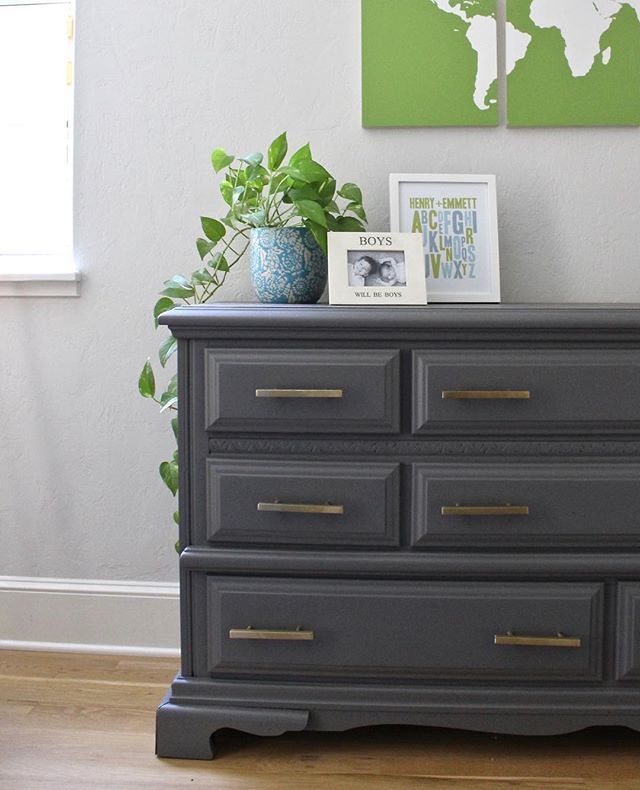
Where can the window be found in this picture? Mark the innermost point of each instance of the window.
(36, 62)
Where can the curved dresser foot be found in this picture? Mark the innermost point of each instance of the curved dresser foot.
(186, 731)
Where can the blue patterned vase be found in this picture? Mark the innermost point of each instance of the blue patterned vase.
(287, 265)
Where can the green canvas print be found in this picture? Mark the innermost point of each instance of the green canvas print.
(573, 62)
(429, 63)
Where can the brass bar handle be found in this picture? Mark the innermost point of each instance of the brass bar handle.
(559, 640)
(298, 635)
(283, 507)
(284, 393)
(486, 395)
(485, 510)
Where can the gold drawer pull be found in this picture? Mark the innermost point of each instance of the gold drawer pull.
(283, 507)
(256, 633)
(560, 640)
(482, 510)
(486, 395)
(298, 393)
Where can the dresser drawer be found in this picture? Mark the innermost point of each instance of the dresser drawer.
(302, 502)
(296, 627)
(628, 631)
(474, 505)
(304, 391)
(528, 390)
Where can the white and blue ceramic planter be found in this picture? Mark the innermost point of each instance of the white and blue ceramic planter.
(287, 265)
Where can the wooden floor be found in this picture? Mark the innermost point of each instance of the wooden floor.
(70, 722)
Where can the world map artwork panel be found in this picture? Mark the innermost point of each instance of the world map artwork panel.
(429, 63)
(573, 62)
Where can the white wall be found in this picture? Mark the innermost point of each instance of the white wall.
(159, 84)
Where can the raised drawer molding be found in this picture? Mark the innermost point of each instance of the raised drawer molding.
(304, 502)
(305, 391)
(406, 516)
(537, 390)
(404, 629)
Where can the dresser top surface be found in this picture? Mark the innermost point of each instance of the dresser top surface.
(525, 317)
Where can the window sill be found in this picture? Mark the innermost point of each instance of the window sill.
(34, 284)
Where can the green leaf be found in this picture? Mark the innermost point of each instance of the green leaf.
(327, 190)
(219, 263)
(253, 159)
(296, 175)
(168, 403)
(240, 178)
(236, 194)
(348, 224)
(204, 247)
(174, 427)
(169, 474)
(313, 171)
(162, 305)
(176, 517)
(256, 175)
(202, 276)
(213, 229)
(358, 210)
(279, 183)
(177, 547)
(311, 210)
(167, 348)
(147, 381)
(255, 218)
(178, 291)
(277, 151)
(172, 386)
(332, 207)
(351, 192)
(307, 192)
(301, 155)
(178, 286)
(221, 159)
(226, 190)
(319, 234)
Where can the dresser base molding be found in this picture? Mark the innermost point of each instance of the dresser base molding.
(195, 709)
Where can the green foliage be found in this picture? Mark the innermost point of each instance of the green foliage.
(146, 381)
(294, 193)
(169, 473)
(258, 191)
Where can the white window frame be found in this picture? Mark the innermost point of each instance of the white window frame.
(42, 275)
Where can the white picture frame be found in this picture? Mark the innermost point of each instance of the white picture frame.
(459, 266)
(372, 268)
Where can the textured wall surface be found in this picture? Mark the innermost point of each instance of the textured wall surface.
(159, 84)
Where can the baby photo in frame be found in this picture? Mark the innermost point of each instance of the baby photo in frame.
(376, 268)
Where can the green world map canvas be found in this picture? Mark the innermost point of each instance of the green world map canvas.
(429, 63)
(573, 62)
(434, 62)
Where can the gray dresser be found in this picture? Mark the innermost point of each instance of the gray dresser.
(411, 515)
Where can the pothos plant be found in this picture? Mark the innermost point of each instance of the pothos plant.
(259, 192)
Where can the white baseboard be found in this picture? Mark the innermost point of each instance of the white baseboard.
(89, 616)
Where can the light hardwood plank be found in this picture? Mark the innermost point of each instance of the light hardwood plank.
(87, 723)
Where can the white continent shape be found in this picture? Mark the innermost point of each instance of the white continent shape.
(581, 24)
(517, 46)
(481, 34)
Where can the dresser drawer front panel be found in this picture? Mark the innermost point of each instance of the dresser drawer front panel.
(628, 630)
(303, 502)
(528, 390)
(525, 504)
(406, 629)
(305, 391)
